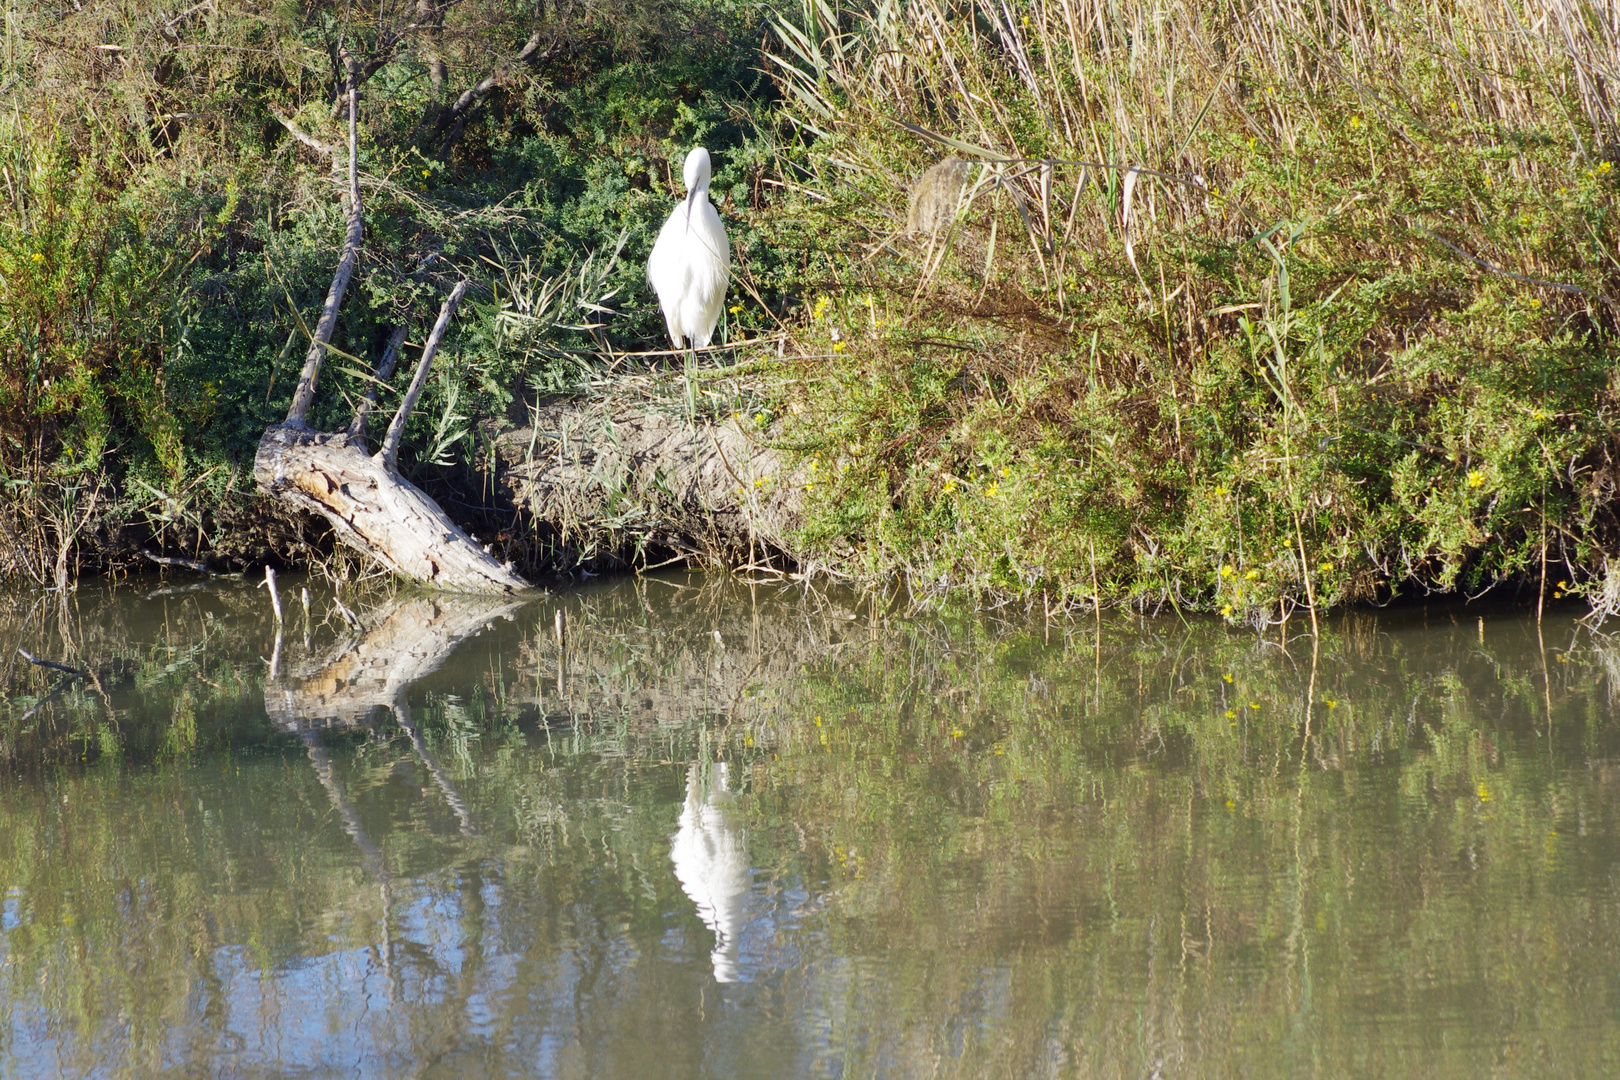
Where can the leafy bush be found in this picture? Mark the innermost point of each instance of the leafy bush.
(1238, 306)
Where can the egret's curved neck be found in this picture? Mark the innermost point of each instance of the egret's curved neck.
(699, 190)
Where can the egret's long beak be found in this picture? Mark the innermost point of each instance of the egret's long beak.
(691, 193)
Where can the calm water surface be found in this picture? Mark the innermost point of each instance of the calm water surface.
(708, 830)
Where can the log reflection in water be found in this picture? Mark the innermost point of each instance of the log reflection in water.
(409, 638)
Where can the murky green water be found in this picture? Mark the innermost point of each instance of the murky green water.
(718, 831)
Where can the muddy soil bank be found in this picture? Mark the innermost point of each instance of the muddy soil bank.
(637, 484)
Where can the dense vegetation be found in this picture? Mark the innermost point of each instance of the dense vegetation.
(1352, 331)
(169, 230)
(1242, 304)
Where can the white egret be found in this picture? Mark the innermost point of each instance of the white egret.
(711, 863)
(691, 261)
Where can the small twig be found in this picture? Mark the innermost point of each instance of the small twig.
(348, 616)
(305, 137)
(1482, 264)
(32, 659)
(170, 560)
(275, 597)
(705, 349)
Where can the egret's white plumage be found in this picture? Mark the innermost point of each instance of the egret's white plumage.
(711, 863)
(691, 261)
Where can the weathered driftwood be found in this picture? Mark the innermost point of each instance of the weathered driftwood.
(371, 507)
(374, 510)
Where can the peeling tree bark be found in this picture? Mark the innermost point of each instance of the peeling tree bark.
(375, 510)
(369, 504)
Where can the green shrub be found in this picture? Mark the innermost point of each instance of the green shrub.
(1242, 306)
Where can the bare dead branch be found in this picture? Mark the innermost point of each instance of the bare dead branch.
(385, 371)
(1574, 290)
(389, 454)
(52, 664)
(304, 395)
(170, 560)
(450, 121)
(328, 149)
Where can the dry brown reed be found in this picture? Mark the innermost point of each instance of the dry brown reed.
(1058, 102)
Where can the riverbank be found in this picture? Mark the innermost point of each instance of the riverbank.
(1236, 311)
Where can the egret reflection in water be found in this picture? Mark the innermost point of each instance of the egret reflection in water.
(711, 863)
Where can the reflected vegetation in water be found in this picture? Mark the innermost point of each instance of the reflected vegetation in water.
(683, 827)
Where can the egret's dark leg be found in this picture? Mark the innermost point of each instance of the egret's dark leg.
(691, 383)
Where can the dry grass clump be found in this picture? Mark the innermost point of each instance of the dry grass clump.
(1240, 305)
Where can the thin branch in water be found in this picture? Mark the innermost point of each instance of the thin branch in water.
(170, 560)
(52, 664)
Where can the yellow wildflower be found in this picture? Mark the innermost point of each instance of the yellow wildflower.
(1476, 478)
(1251, 575)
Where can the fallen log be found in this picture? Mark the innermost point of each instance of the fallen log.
(371, 507)
(375, 510)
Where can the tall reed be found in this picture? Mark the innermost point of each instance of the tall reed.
(1409, 207)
